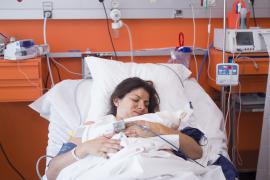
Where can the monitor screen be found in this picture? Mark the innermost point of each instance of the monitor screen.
(244, 38)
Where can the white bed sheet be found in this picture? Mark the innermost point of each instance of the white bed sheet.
(139, 167)
(59, 107)
(209, 119)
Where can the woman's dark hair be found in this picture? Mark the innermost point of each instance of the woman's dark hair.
(131, 84)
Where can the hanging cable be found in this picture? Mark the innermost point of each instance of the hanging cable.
(194, 38)
(209, 45)
(29, 80)
(253, 12)
(37, 165)
(45, 42)
(46, 81)
(228, 110)
(239, 159)
(108, 27)
(65, 68)
(203, 61)
(177, 75)
(76, 92)
(58, 72)
(206, 54)
(145, 128)
(130, 42)
(10, 164)
(235, 150)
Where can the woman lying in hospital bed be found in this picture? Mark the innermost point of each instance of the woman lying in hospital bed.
(100, 154)
(132, 97)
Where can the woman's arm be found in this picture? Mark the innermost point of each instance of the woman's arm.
(187, 144)
(61, 161)
(99, 147)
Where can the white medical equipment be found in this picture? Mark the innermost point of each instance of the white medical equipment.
(3, 41)
(241, 40)
(227, 74)
(115, 14)
(22, 49)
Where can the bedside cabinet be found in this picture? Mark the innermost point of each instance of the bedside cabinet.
(20, 80)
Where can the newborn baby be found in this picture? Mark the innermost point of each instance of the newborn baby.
(106, 125)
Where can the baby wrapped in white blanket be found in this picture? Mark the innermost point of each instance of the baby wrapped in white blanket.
(140, 157)
(169, 119)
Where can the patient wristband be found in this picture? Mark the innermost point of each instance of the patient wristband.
(74, 155)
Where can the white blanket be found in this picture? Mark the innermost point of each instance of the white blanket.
(140, 166)
(141, 158)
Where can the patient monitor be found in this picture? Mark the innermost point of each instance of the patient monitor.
(241, 40)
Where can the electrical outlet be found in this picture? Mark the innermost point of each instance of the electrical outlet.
(47, 14)
(209, 3)
(115, 4)
(178, 13)
(47, 9)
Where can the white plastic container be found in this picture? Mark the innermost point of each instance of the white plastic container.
(181, 56)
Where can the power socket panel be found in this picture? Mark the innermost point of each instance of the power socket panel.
(209, 3)
(47, 9)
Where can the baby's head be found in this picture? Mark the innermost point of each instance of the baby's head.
(167, 118)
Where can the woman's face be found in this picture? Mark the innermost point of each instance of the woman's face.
(134, 103)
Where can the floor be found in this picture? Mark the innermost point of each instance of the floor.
(247, 171)
(248, 176)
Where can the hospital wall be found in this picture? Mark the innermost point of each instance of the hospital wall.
(23, 134)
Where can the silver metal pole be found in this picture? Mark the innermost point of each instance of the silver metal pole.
(223, 92)
(223, 101)
(224, 30)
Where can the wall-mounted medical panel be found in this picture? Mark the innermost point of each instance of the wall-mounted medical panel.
(130, 9)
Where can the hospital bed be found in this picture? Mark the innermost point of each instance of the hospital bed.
(68, 104)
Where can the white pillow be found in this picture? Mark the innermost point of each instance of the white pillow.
(58, 106)
(107, 74)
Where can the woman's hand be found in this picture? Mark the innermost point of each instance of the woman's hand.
(98, 147)
(144, 129)
(135, 129)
